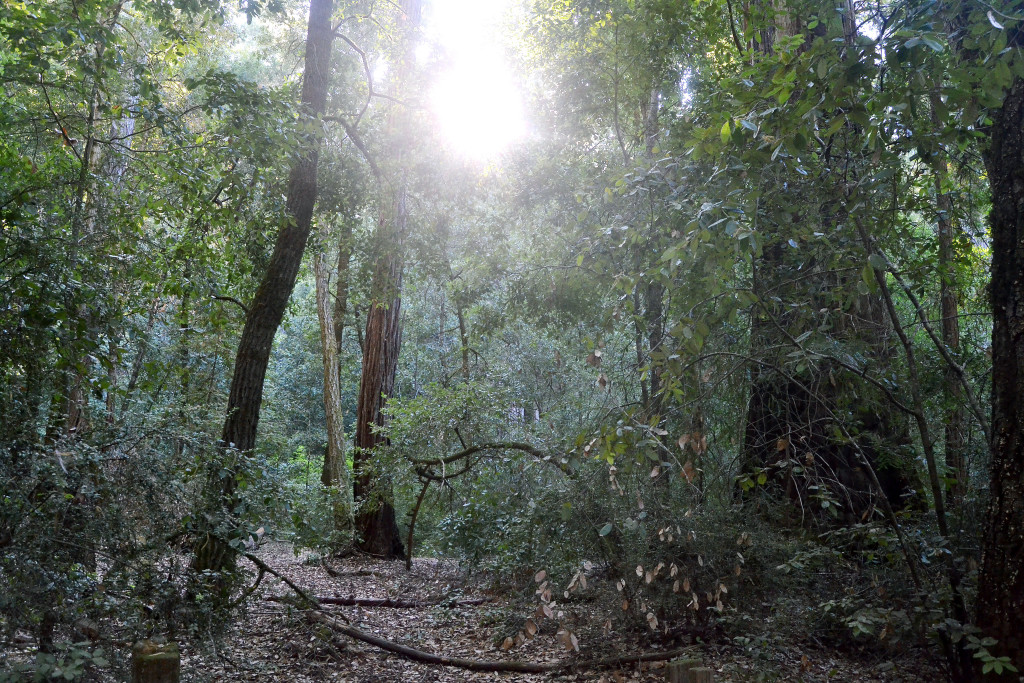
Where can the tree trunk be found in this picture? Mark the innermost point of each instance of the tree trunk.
(375, 520)
(1001, 582)
(335, 471)
(341, 291)
(268, 305)
(955, 418)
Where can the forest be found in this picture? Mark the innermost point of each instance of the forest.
(445, 340)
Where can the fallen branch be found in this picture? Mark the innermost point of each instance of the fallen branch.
(415, 655)
(273, 572)
(484, 665)
(352, 601)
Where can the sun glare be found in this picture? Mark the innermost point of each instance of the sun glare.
(475, 101)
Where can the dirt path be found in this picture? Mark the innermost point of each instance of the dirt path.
(273, 642)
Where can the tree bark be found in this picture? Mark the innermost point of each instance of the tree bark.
(335, 470)
(1001, 581)
(955, 419)
(375, 520)
(341, 291)
(268, 305)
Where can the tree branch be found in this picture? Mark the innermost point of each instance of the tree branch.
(230, 299)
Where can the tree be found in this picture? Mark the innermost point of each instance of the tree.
(1000, 612)
(375, 520)
(267, 307)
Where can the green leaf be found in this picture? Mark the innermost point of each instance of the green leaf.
(605, 530)
(726, 132)
(877, 262)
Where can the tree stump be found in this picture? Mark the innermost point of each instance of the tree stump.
(687, 671)
(154, 662)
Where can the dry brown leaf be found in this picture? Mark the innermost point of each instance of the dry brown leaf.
(530, 627)
(508, 643)
(652, 621)
(539, 576)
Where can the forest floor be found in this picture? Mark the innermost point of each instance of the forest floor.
(273, 641)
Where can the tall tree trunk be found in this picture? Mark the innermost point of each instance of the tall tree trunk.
(955, 418)
(1001, 582)
(375, 519)
(268, 305)
(335, 471)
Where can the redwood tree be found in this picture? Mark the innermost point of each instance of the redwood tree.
(375, 520)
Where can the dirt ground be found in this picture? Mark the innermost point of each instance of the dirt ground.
(273, 641)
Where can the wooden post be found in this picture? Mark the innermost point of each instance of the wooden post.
(154, 662)
(687, 671)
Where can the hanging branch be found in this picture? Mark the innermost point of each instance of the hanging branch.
(230, 299)
(491, 446)
(369, 76)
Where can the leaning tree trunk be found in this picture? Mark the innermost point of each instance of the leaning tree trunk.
(268, 305)
(1001, 582)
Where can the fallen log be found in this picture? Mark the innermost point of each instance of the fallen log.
(484, 665)
(352, 601)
